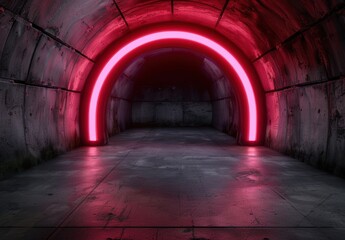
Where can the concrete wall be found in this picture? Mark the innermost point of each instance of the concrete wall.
(119, 110)
(172, 114)
(225, 114)
(170, 105)
(305, 91)
(39, 95)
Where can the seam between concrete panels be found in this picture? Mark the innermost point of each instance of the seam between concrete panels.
(10, 80)
(140, 5)
(121, 13)
(307, 84)
(222, 12)
(59, 41)
(32, 57)
(303, 30)
(42, 31)
(25, 88)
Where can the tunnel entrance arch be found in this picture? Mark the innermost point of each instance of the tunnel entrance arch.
(98, 87)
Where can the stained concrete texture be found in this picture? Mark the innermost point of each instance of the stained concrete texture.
(177, 183)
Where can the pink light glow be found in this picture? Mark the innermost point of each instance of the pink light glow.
(173, 35)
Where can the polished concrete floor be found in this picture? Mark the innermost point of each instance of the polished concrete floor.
(179, 183)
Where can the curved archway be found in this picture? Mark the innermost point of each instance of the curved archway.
(92, 120)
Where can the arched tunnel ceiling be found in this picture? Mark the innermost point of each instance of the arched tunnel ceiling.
(255, 26)
(89, 26)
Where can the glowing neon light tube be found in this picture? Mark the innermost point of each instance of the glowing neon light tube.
(173, 35)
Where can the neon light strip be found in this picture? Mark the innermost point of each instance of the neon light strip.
(173, 35)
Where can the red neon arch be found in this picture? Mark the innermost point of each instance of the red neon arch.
(93, 135)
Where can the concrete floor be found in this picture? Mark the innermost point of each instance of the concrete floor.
(180, 183)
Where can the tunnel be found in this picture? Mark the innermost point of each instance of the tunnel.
(172, 119)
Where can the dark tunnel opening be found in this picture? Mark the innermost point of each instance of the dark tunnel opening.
(175, 88)
(172, 88)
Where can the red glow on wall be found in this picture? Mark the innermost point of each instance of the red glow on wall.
(229, 58)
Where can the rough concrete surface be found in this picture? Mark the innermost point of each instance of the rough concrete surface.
(177, 183)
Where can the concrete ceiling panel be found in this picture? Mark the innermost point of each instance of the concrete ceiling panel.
(106, 35)
(295, 62)
(303, 57)
(248, 24)
(329, 39)
(74, 22)
(241, 34)
(267, 70)
(194, 12)
(17, 54)
(52, 64)
(219, 4)
(156, 12)
(128, 5)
